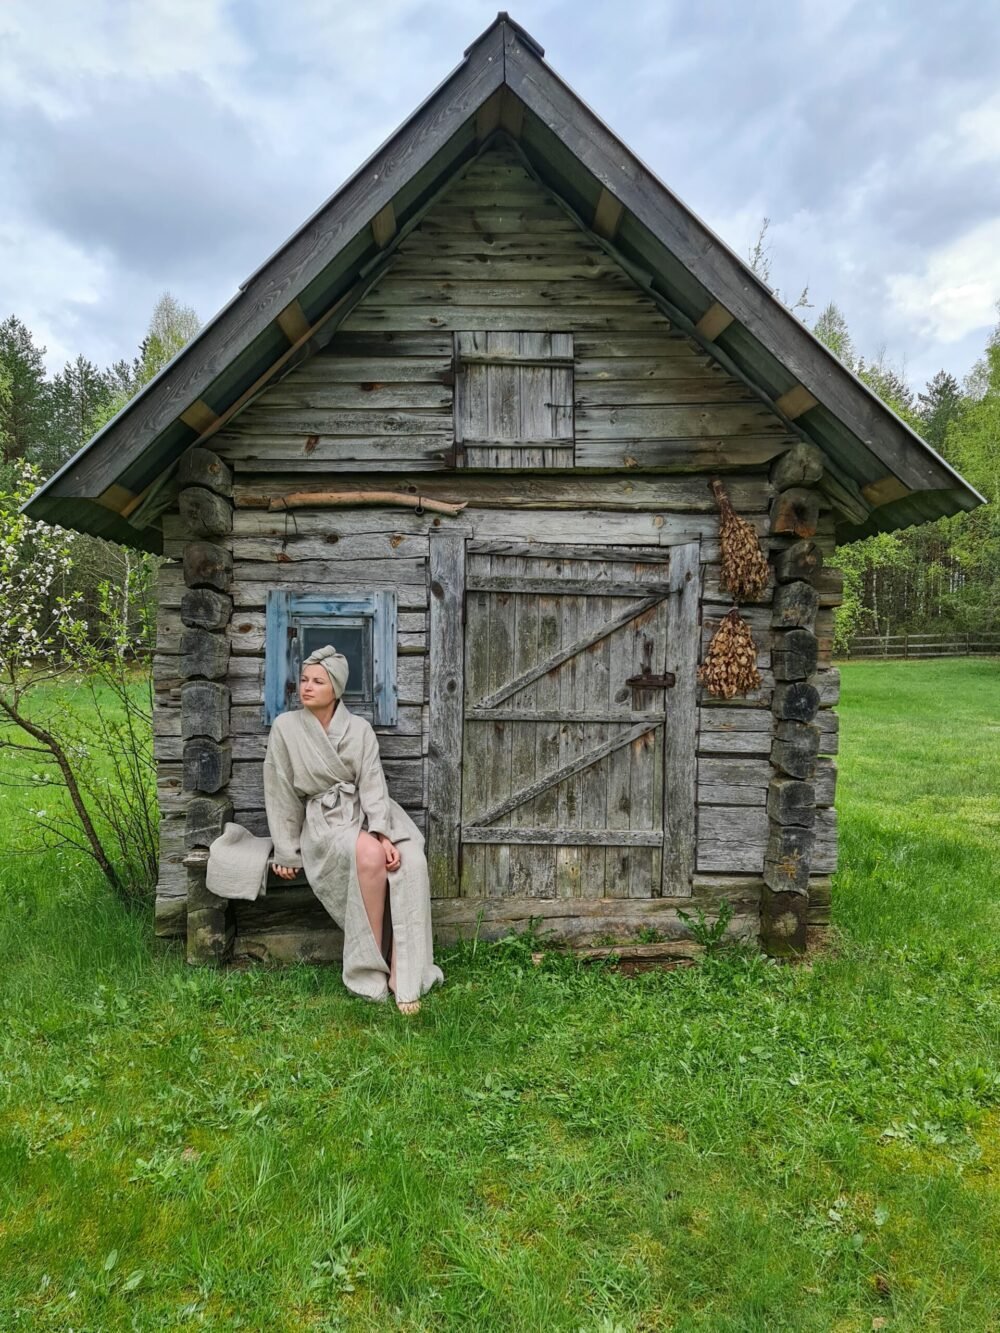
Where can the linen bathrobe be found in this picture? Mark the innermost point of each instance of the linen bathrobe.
(321, 788)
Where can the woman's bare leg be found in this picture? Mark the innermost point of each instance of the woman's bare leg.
(374, 881)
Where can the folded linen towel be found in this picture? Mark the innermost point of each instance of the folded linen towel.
(237, 864)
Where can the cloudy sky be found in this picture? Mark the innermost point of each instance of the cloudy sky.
(173, 144)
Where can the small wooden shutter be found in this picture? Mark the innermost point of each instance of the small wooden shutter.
(514, 400)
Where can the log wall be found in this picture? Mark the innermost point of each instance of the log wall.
(654, 418)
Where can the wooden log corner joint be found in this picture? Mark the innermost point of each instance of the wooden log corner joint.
(796, 739)
(205, 507)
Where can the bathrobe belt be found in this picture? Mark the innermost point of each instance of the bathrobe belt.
(339, 804)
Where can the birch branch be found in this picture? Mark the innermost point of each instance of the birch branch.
(334, 499)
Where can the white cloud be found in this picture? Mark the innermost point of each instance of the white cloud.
(978, 132)
(54, 56)
(54, 288)
(956, 290)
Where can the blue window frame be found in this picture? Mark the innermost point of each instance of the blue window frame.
(362, 627)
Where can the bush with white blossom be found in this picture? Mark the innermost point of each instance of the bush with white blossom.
(99, 756)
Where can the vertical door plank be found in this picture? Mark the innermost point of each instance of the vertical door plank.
(683, 636)
(593, 696)
(522, 751)
(498, 748)
(651, 652)
(544, 809)
(447, 700)
(571, 744)
(474, 791)
(643, 752)
(618, 867)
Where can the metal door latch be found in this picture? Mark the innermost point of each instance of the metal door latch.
(647, 679)
(650, 682)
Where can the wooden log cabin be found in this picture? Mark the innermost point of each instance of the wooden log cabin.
(463, 424)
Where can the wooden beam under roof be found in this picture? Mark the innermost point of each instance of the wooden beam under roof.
(199, 416)
(384, 225)
(292, 321)
(796, 401)
(714, 321)
(607, 215)
(844, 494)
(116, 498)
(884, 491)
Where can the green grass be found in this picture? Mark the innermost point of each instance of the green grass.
(741, 1146)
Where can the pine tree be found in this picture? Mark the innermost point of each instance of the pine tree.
(890, 386)
(939, 405)
(78, 395)
(24, 406)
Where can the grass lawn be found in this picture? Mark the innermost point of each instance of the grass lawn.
(739, 1146)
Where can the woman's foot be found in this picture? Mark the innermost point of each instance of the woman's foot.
(408, 1006)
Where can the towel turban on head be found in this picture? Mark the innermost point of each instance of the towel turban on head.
(334, 664)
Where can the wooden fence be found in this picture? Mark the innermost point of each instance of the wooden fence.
(924, 645)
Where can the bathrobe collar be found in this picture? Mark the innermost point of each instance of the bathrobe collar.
(339, 723)
(337, 729)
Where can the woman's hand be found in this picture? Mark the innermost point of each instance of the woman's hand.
(391, 852)
(286, 872)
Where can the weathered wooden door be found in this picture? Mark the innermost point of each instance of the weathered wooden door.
(577, 750)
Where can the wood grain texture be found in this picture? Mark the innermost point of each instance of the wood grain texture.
(508, 394)
(533, 285)
(447, 692)
(732, 838)
(728, 780)
(201, 467)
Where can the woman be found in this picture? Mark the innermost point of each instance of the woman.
(330, 814)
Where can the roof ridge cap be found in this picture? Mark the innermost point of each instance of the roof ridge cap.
(504, 19)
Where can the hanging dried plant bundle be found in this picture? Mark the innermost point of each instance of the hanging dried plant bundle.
(744, 566)
(730, 665)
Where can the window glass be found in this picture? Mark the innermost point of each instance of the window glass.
(353, 638)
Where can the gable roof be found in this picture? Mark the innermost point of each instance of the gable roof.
(880, 474)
